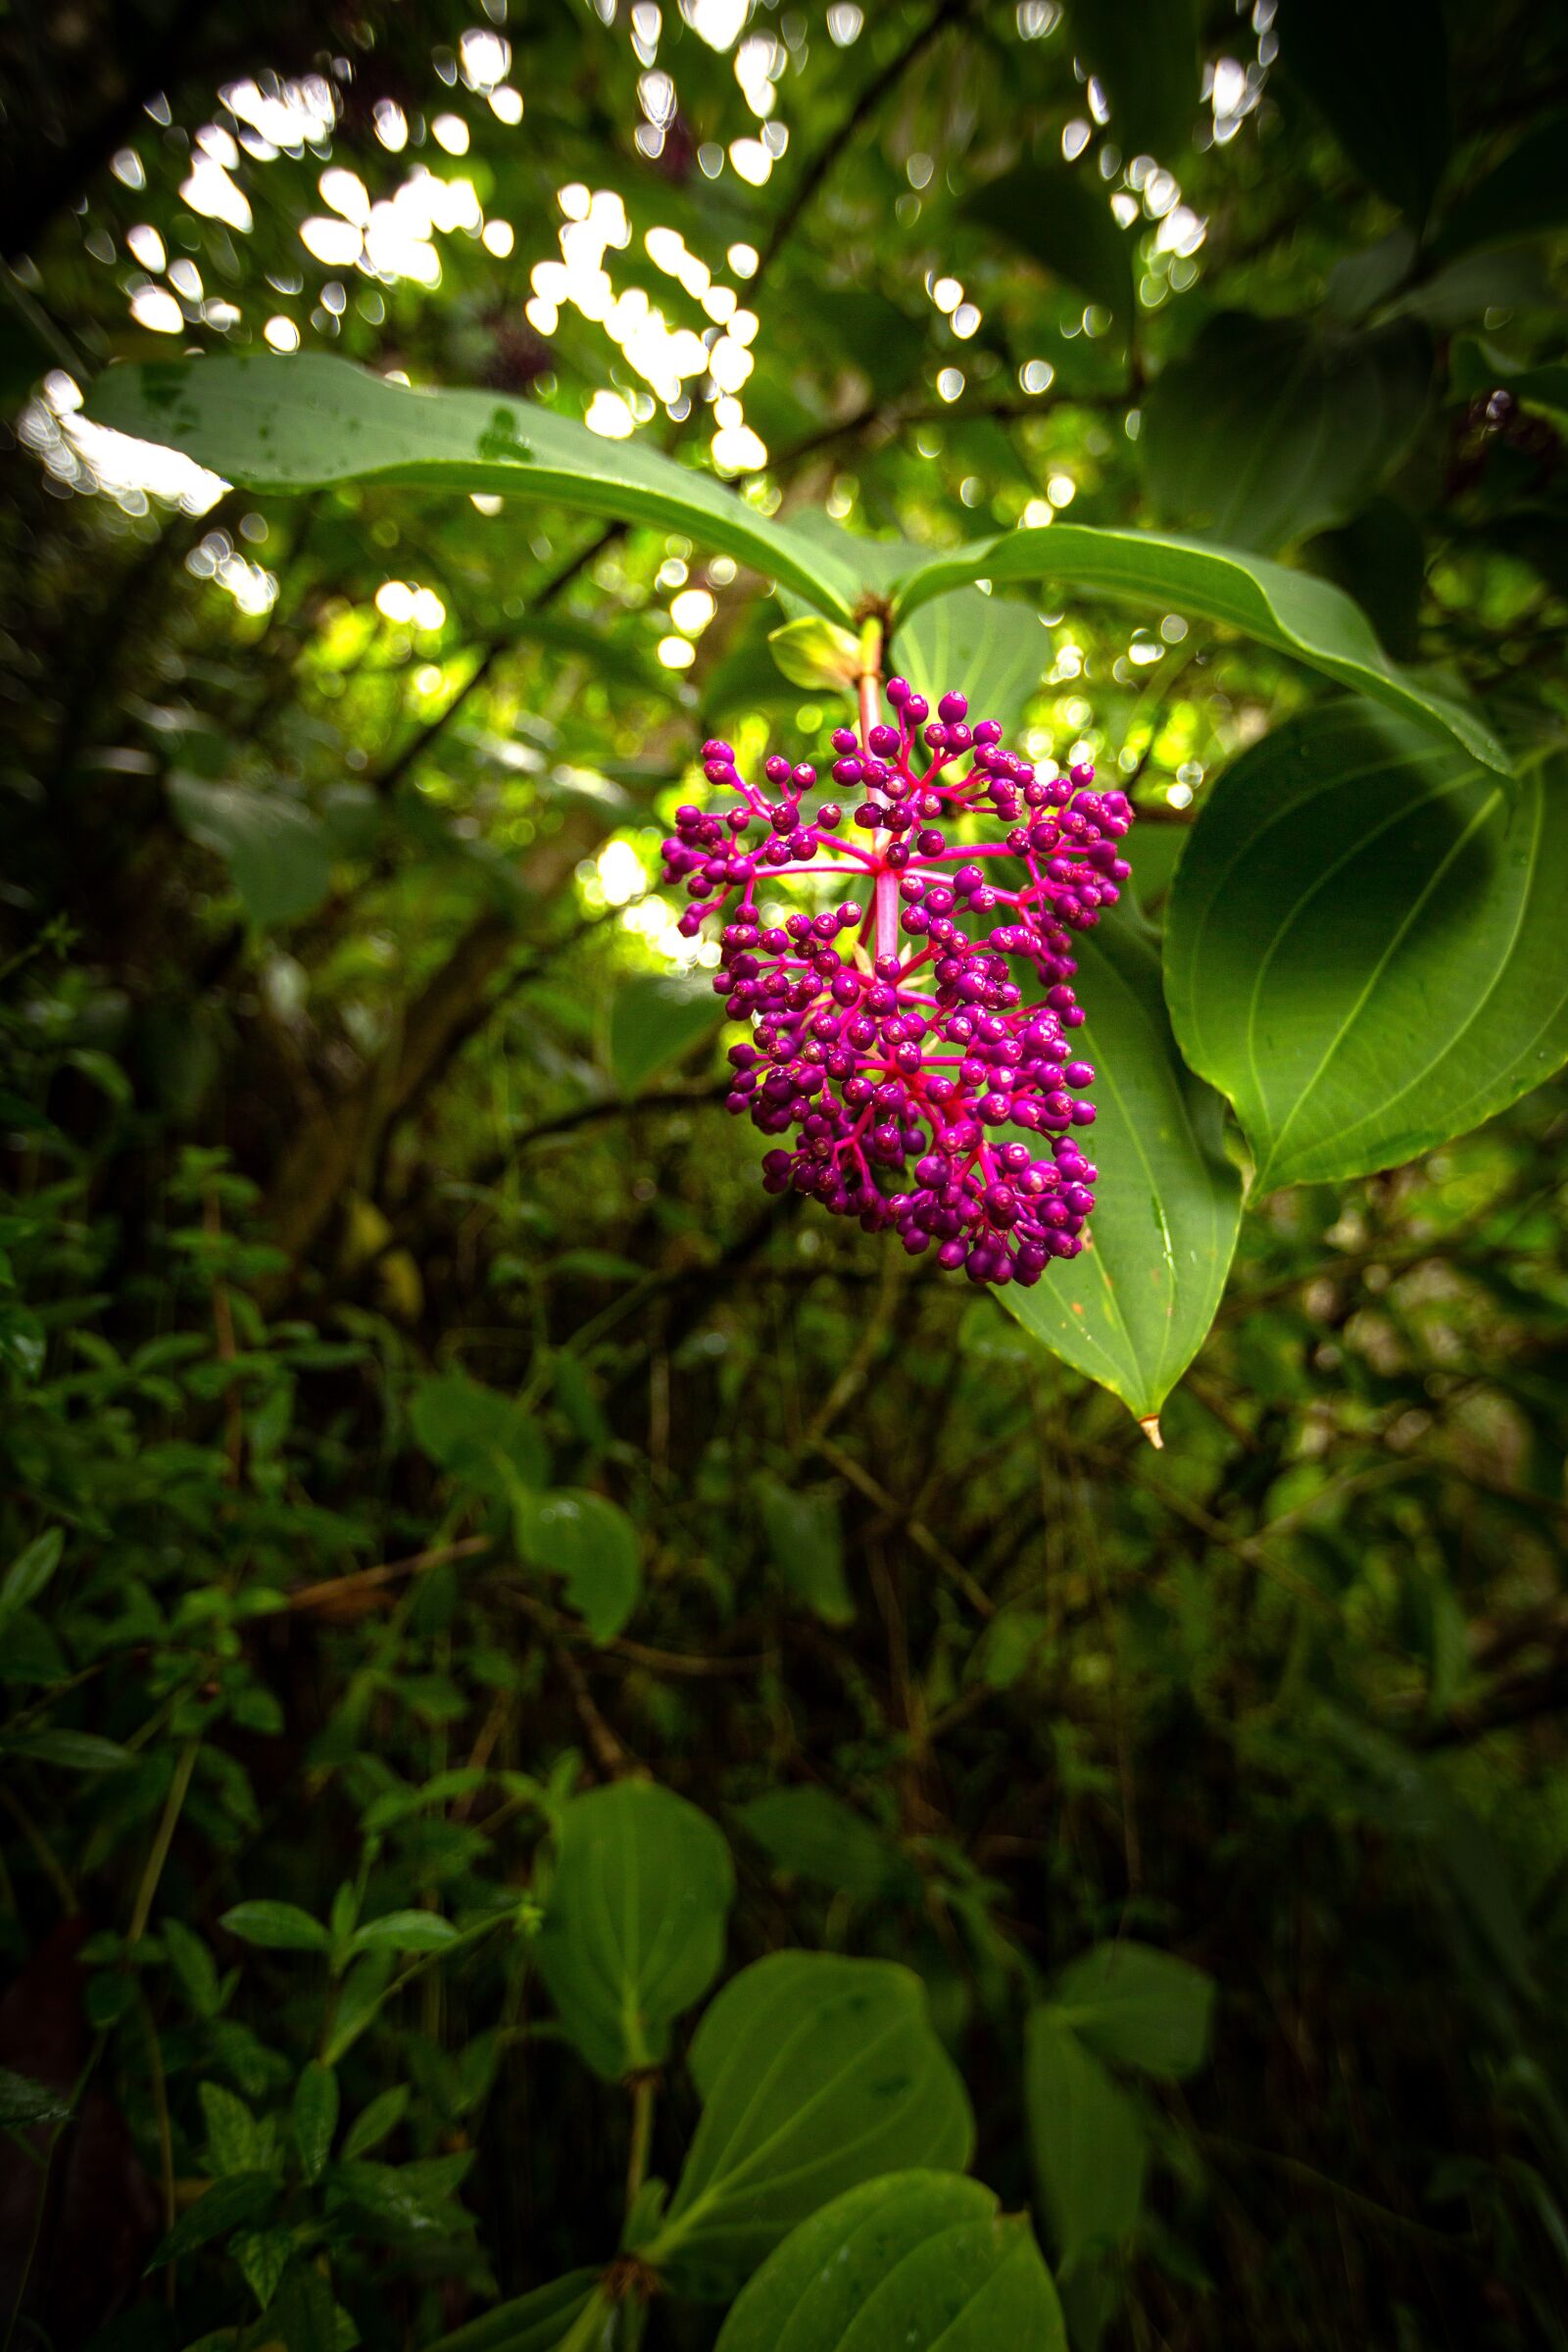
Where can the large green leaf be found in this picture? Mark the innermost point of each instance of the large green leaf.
(1061, 218)
(1290, 610)
(817, 2073)
(1138, 2006)
(1089, 2145)
(634, 1930)
(653, 1017)
(1378, 73)
(1144, 54)
(302, 422)
(1267, 427)
(914, 2261)
(588, 1542)
(1134, 1309)
(539, 2321)
(1365, 945)
(276, 851)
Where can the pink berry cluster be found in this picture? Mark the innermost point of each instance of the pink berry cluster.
(890, 1033)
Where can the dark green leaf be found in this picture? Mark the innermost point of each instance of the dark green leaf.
(276, 849)
(1525, 195)
(1134, 1309)
(1377, 70)
(1267, 428)
(1089, 2149)
(23, 2101)
(237, 2197)
(915, 2260)
(72, 1751)
(1145, 56)
(1061, 218)
(1290, 610)
(589, 1542)
(1365, 948)
(816, 1834)
(303, 2313)
(315, 2105)
(535, 2322)
(304, 422)
(405, 1931)
(815, 2073)
(30, 1572)
(373, 2123)
(276, 1927)
(633, 1934)
(1139, 2007)
(806, 1545)
(478, 1435)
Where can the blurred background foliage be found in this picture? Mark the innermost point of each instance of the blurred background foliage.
(413, 1408)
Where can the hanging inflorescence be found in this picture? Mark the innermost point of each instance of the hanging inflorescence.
(890, 1032)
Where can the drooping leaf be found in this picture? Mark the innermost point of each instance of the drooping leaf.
(1088, 2146)
(633, 1934)
(539, 2321)
(1061, 218)
(276, 852)
(1289, 611)
(814, 1832)
(1365, 948)
(1134, 1309)
(588, 1542)
(817, 2073)
(806, 1545)
(478, 1435)
(915, 2260)
(302, 422)
(1139, 2007)
(1144, 55)
(1377, 70)
(654, 1017)
(1267, 427)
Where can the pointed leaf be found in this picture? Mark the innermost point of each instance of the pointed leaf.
(276, 1927)
(913, 2260)
(1135, 1307)
(1290, 610)
(302, 421)
(633, 1934)
(1089, 2149)
(1365, 947)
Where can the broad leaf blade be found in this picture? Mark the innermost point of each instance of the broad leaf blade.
(1135, 1307)
(916, 2260)
(634, 1931)
(307, 421)
(1290, 610)
(1090, 2150)
(1365, 947)
(817, 2073)
(1139, 2007)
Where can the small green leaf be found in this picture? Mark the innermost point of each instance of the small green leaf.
(814, 1832)
(72, 1751)
(1364, 947)
(276, 1927)
(304, 422)
(815, 2073)
(403, 1931)
(816, 652)
(1089, 2149)
(1139, 2007)
(1290, 610)
(24, 2103)
(478, 1435)
(806, 1542)
(923, 2261)
(633, 1932)
(373, 2123)
(236, 2199)
(30, 1572)
(590, 1542)
(315, 2105)
(655, 1018)
(1134, 1309)
(236, 2143)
